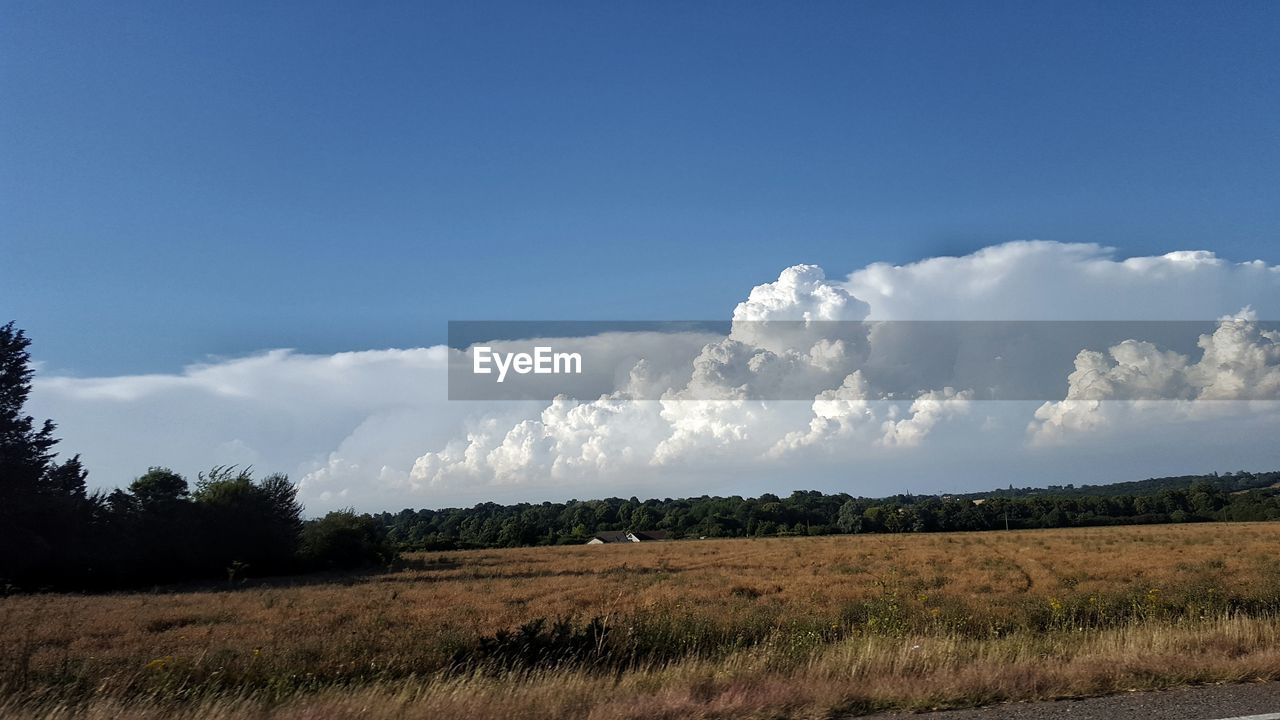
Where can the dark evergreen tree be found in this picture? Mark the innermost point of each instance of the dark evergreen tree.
(44, 510)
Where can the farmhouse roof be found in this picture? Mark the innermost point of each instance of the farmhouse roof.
(611, 536)
(617, 536)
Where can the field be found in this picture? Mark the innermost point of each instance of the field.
(785, 627)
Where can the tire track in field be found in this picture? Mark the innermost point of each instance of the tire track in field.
(1037, 572)
(1033, 572)
(1015, 560)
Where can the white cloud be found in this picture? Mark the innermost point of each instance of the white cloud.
(801, 292)
(838, 413)
(1239, 362)
(373, 429)
(1042, 280)
(797, 310)
(926, 411)
(569, 439)
(339, 416)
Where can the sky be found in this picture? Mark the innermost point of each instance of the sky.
(236, 232)
(180, 182)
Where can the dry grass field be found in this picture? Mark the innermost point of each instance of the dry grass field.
(787, 627)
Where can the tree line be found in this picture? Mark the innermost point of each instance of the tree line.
(1233, 496)
(56, 534)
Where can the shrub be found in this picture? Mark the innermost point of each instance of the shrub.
(344, 540)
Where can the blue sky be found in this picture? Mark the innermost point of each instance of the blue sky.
(220, 178)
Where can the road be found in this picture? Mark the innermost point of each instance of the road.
(1260, 701)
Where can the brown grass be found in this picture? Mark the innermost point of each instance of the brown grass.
(801, 627)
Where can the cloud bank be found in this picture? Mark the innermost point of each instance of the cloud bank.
(374, 430)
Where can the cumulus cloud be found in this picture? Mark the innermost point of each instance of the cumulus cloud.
(926, 411)
(567, 440)
(1239, 361)
(850, 413)
(797, 310)
(779, 345)
(1043, 280)
(683, 411)
(838, 413)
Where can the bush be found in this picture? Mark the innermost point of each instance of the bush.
(250, 525)
(539, 644)
(343, 540)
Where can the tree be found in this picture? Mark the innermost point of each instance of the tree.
(158, 527)
(850, 518)
(1205, 498)
(253, 525)
(344, 540)
(515, 531)
(641, 519)
(159, 487)
(25, 450)
(44, 510)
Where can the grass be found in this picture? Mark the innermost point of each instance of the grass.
(786, 627)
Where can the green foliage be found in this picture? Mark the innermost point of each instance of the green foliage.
(1224, 483)
(232, 526)
(257, 524)
(159, 487)
(343, 540)
(1234, 496)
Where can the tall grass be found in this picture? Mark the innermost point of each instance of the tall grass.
(802, 627)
